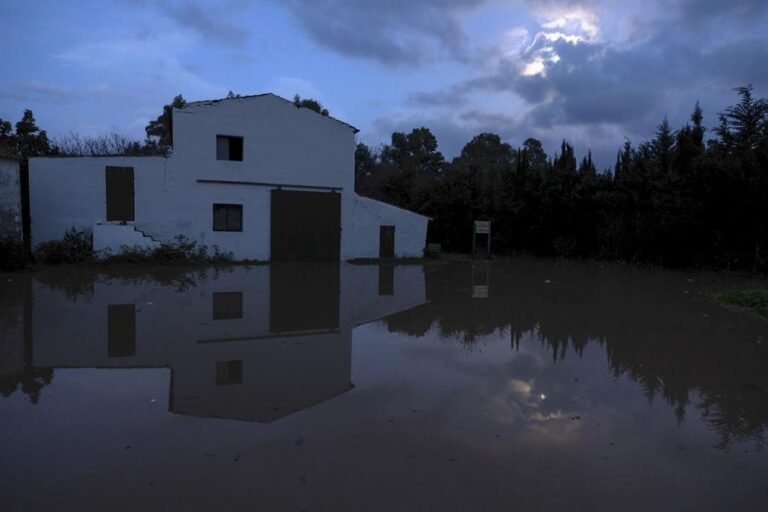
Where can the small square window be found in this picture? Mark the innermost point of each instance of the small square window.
(227, 217)
(229, 372)
(229, 148)
(227, 305)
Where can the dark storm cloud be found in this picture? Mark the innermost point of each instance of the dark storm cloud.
(393, 32)
(631, 85)
(695, 12)
(210, 24)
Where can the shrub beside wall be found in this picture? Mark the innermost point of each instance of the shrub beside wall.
(77, 247)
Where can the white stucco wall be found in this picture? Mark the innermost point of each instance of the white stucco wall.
(114, 238)
(360, 228)
(10, 199)
(282, 145)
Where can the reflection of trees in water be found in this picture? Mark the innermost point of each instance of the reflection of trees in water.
(78, 283)
(31, 381)
(650, 329)
(17, 344)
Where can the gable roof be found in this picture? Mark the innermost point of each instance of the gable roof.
(251, 96)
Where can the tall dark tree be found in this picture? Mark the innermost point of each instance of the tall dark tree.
(741, 126)
(160, 131)
(28, 140)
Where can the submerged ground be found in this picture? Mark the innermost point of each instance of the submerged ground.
(526, 385)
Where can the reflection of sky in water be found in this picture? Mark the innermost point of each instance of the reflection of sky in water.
(603, 389)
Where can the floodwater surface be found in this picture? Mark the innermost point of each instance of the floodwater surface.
(521, 385)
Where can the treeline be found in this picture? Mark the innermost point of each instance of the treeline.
(676, 199)
(681, 198)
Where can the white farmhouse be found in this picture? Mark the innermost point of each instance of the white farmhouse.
(254, 175)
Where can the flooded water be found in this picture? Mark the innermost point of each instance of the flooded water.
(523, 385)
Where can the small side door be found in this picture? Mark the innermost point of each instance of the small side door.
(386, 241)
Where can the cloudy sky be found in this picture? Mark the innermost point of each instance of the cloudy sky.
(592, 71)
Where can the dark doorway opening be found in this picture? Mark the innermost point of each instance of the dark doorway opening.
(120, 195)
(386, 241)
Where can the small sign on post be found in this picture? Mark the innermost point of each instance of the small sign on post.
(482, 227)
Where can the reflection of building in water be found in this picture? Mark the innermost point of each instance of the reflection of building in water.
(245, 343)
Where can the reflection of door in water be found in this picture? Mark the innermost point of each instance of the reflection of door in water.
(386, 280)
(386, 241)
(120, 196)
(303, 297)
(121, 330)
(305, 226)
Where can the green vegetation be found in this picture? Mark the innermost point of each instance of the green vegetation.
(677, 199)
(75, 247)
(311, 104)
(178, 251)
(755, 300)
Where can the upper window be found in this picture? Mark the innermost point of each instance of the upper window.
(229, 148)
(227, 217)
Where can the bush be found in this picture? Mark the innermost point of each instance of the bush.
(11, 254)
(756, 300)
(178, 251)
(433, 251)
(75, 247)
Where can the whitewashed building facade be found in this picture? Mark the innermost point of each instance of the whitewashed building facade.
(254, 175)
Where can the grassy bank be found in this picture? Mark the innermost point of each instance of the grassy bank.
(751, 299)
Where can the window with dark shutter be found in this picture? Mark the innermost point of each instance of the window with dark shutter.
(227, 217)
(229, 148)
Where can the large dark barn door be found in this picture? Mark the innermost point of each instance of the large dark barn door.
(306, 226)
(120, 193)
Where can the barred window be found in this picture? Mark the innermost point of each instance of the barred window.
(227, 217)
